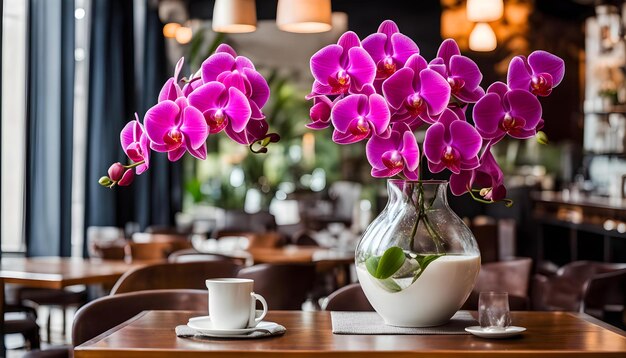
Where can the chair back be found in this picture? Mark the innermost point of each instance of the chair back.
(284, 286)
(190, 275)
(192, 255)
(107, 312)
(605, 295)
(140, 251)
(511, 276)
(347, 298)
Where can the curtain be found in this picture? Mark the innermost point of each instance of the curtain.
(118, 87)
(50, 118)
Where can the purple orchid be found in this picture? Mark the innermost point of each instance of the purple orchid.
(417, 91)
(255, 129)
(396, 154)
(488, 177)
(539, 74)
(451, 143)
(171, 90)
(320, 113)
(342, 67)
(462, 73)
(135, 144)
(223, 108)
(357, 116)
(502, 111)
(239, 72)
(175, 127)
(389, 49)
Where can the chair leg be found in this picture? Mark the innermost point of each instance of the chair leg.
(64, 320)
(32, 337)
(48, 326)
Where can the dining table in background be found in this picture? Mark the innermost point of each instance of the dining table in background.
(58, 272)
(552, 334)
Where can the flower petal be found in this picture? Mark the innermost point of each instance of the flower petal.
(260, 88)
(346, 110)
(215, 65)
(385, 172)
(176, 154)
(459, 183)
(242, 62)
(398, 87)
(388, 27)
(194, 127)
(403, 47)
(325, 63)
(542, 61)
(465, 139)
(237, 109)
(518, 76)
(378, 114)
(468, 96)
(434, 143)
(410, 151)
(488, 113)
(377, 146)
(127, 135)
(362, 69)
(170, 90)
(349, 40)
(206, 96)
(435, 90)
(448, 49)
(463, 67)
(526, 106)
(374, 44)
(498, 88)
(179, 66)
(347, 138)
(160, 119)
(199, 153)
(226, 49)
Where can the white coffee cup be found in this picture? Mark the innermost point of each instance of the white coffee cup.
(232, 303)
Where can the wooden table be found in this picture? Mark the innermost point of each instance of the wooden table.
(57, 272)
(553, 334)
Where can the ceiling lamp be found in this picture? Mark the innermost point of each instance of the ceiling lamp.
(484, 10)
(482, 38)
(234, 16)
(304, 16)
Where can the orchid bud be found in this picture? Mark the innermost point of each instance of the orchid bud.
(105, 181)
(127, 178)
(116, 171)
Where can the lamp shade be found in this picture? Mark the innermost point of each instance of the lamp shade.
(304, 16)
(234, 16)
(482, 38)
(484, 10)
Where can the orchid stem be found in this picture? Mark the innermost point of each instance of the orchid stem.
(133, 165)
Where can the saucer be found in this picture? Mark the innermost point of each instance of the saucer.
(204, 326)
(491, 333)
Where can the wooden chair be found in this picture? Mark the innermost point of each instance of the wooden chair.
(107, 312)
(511, 276)
(149, 250)
(192, 255)
(26, 326)
(284, 286)
(347, 298)
(190, 275)
(604, 297)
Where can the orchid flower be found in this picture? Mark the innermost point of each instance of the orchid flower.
(171, 90)
(320, 113)
(342, 67)
(389, 49)
(176, 127)
(394, 155)
(502, 111)
(135, 144)
(488, 177)
(222, 107)
(451, 143)
(357, 116)
(462, 73)
(256, 129)
(539, 74)
(417, 90)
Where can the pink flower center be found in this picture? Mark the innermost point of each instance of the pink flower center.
(340, 83)
(539, 86)
(360, 127)
(415, 104)
(486, 193)
(386, 67)
(450, 157)
(216, 120)
(509, 123)
(393, 159)
(455, 84)
(173, 138)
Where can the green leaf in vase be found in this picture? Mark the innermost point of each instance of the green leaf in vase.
(424, 261)
(389, 263)
(372, 264)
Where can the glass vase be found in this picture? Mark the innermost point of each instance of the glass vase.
(417, 262)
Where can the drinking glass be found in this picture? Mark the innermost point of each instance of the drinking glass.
(493, 311)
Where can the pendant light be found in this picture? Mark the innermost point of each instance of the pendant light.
(304, 16)
(234, 16)
(482, 38)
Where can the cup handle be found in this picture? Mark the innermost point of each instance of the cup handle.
(253, 319)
